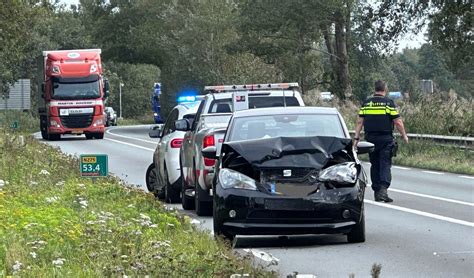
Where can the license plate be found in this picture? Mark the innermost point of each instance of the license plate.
(81, 110)
(76, 131)
(281, 204)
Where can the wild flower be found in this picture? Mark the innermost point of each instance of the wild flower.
(130, 206)
(33, 254)
(33, 183)
(59, 262)
(83, 203)
(81, 185)
(170, 224)
(29, 225)
(52, 199)
(195, 222)
(60, 183)
(159, 244)
(124, 257)
(2, 183)
(44, 172)
(17, 267)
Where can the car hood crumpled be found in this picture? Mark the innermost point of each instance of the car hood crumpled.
(312, 152)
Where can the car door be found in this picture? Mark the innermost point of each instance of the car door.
(162, 147)
(187, 149)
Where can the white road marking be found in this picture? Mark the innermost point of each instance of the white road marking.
(453, 252)
(108, 131)
(422, 213)
(466, 177)
(432, 172)
(129, 144)
(401, 168)
(432, 197)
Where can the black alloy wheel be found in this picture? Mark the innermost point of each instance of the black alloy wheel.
(152, 184)
(357, 234)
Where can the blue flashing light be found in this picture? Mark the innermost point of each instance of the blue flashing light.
(186, 98)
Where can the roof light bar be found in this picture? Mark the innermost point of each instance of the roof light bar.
(251, 87)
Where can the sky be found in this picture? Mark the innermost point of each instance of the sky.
(410, 40)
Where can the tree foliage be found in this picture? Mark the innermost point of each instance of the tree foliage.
(340, 45)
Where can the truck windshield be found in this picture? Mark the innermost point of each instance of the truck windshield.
(76, 88)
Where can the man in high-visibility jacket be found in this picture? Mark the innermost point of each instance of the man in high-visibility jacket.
(378, 115)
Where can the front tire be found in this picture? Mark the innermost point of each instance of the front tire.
(219, 230)
(357, 234)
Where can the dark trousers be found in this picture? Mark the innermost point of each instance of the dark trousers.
(381, 161)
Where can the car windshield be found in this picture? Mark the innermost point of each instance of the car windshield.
(258, 127)
(75, 88)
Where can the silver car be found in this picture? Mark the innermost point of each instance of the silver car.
(163, 176)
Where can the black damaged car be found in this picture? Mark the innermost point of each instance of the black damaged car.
(284, 171)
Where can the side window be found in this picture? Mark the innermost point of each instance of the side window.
(198, 114)
(169, 125)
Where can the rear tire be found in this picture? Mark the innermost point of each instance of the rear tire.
(171, 195)
(151, 179)
(357, 234)
(203, 208)
(186, 201)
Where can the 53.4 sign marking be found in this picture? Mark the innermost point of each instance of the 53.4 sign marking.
(94, 165)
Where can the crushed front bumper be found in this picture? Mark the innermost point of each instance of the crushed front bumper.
(257, 213)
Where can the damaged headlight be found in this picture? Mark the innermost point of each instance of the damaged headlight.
(341, 173)
(233, 179)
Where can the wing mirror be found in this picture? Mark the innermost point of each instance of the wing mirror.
(155, 131)
(182, 125)
(106, 88)
(210, 152)
(365, 147)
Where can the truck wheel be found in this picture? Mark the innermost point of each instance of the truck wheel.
(186, 201)
(43, 128)
(203, 208)
(99, 136)
(219, 230)
(54, 137)
(357, 234)
(171, 195)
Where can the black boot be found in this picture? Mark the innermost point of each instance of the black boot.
(382, 196)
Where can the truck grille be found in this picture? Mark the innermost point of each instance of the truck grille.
(77, 121)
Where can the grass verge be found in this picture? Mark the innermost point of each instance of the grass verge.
(427, 155)
(55, 224)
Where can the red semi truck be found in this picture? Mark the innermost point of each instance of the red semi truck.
(72, 93)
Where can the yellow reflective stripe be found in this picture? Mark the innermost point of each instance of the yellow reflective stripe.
(379, 110)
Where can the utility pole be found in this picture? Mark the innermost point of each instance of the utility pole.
(120, 99)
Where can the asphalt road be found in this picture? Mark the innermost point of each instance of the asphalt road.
(427, 232)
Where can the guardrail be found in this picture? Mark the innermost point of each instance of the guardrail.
(457, 140)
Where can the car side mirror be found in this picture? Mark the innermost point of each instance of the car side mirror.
(106, 88)
(365, 147)
(155, 131)
(182, 125)
(210, 152)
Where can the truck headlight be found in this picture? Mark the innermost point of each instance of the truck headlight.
(98, 122)
(53, 123)
(233, 179)
(341, 173)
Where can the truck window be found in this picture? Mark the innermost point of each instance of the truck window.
(261, 102)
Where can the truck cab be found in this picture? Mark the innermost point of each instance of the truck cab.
(72, 95)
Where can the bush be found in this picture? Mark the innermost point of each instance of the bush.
(55, 224)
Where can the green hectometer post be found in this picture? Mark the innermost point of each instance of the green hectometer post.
(94, 165)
